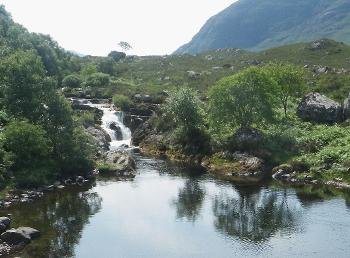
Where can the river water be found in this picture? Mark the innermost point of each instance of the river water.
(169, 210)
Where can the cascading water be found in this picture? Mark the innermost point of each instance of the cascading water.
(113, 124)
(115, 119)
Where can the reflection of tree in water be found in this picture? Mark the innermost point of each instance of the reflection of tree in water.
(255, 216)
(61, 218)
(189, 200)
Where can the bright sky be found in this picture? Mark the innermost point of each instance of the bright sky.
(96, 26)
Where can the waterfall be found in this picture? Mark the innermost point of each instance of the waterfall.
(114, 119)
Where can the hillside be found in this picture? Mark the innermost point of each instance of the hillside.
(257, 25)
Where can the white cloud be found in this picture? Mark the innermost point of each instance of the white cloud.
(95, 27)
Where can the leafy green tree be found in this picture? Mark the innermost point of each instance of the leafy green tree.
(123, 102)
(72, 81)
(98, 80)
(185, 108)
(30, 149)
(289, 81)
(242, 100)
(24, 85)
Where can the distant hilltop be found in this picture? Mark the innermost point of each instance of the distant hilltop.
(262, 24)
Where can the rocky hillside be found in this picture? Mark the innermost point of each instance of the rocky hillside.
(262, 24)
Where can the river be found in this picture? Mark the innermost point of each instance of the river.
(169, 210)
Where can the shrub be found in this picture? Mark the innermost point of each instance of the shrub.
(97, 80)
(30, 149)
(185, 109)
(242, 100)
(123, 102)
(71, 81)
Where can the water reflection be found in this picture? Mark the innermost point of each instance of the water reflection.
(61, 217)
(255, 215)
(189, 200)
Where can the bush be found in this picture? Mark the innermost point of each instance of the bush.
(184, 108)
(30, 151)
(71, 81)
(242, 100)
(97, 80)
(123, 102)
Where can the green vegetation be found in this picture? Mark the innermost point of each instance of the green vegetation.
(241, 100)
(40, 142)
(121, 101)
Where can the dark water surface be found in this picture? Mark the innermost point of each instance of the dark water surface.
(167, 211)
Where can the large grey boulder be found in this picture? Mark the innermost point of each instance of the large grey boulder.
(14, 237)
(31, 232)
(5, 221)
(100, 136)
(319, 109)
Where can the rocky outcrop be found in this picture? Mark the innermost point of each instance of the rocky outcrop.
(319, 109)
(117, 130)
(14, 237)
(236, 166)
(120, 164)
(100, 136)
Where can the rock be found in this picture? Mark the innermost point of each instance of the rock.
(79, 180)
(118, 131)
(31, 232)
(320, 109)
(2, 228)
(100, 136)
(248, 140)
(5, 221)
(282, 172)
(346, 108)
(193, 74)
(14, 237)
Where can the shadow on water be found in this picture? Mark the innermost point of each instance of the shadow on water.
(61, 217)
(255, 214)
(189, 200)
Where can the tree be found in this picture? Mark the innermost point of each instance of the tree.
(24, 85)
(184, 108)
(30, 149)
(289, 81)
(72, 81)
(98, 80)
(106, 65)
(125, 46)
(242, 100)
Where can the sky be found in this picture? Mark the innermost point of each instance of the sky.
(152, 27)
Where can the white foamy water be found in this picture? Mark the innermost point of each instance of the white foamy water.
(110, 117)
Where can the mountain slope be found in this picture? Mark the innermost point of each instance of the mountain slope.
(262, 24)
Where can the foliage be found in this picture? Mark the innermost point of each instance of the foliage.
(30, 149)
(185, 109)
(117, 56)
(121, 101)
(242, 100)
(97, 80)
(72, 81)
(289, 81)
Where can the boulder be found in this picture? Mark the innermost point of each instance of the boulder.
(31, 232)
(15, 237)
(5, 221)
(118, 131)
(2, 228)
(319, 109)
(100, 136)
